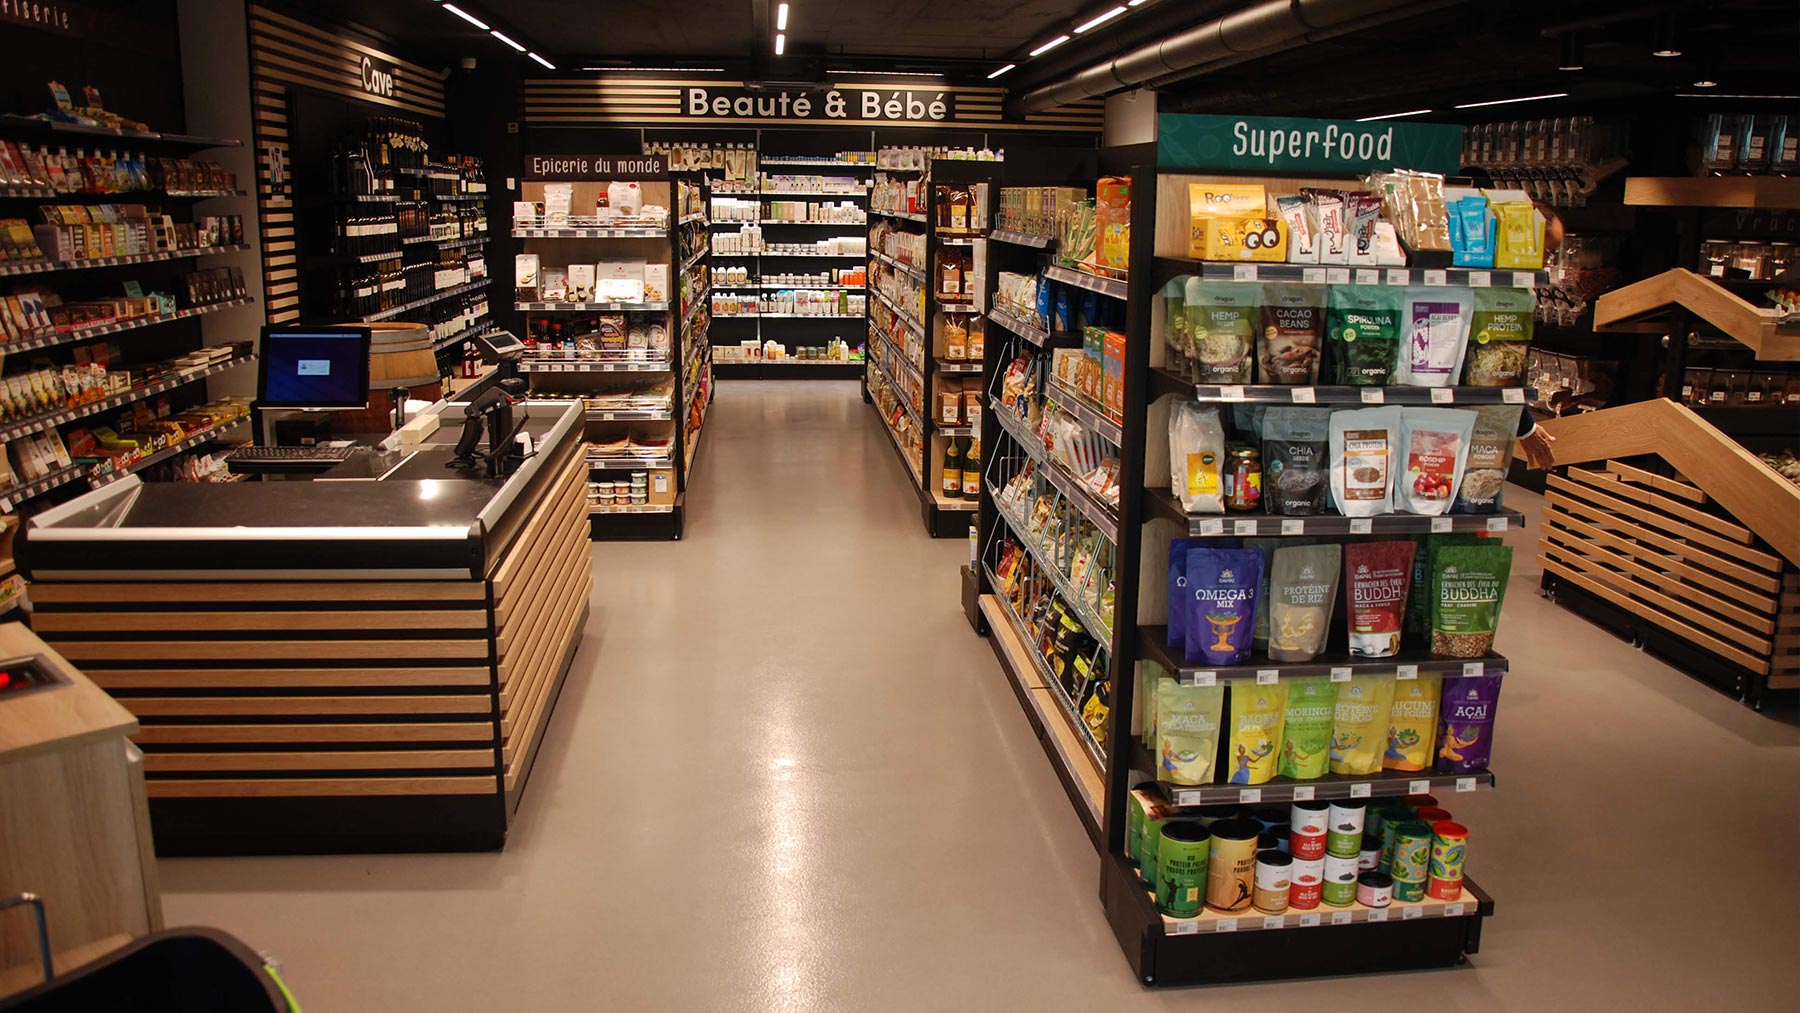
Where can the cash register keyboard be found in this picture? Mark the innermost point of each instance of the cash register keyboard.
(286, 455)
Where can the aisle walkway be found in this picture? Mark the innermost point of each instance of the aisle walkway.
(784, 774)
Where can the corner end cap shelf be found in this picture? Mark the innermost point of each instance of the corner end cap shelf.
(1759, 329)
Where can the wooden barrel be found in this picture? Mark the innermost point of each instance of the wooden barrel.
(400, 355)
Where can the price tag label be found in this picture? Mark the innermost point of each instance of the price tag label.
(1361, 526)
(1187, 798)
(1379, 914)
(1471, 669)
(1465, 784)
(1404, 672)
(1340, 917)
(1273, 921)
(1268, 676)
(1248, 795)
(1337, 275)
(1243, 272)
(1303, 793)
(1441, 525)
(1187, 928)
(1443, 395)
(1231, 393)
(1411, 911)
(1399, 276)
(1418, 787)
(1243, 527)
(1294, 527)
(1212, 526)
(1225, 925)
(1373, 395)
(1480, 279)
(1453, 910)
(1368, 276)
(1524, 279)
(1312, 275)
(1497, 525)
(1206, 678)
(1305, 395)
(1338, 674)
(1437, 277)
(1309, 919)
(1513, 395)
(1361, 790)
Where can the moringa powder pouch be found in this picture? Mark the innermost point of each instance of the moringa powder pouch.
(1306, 731)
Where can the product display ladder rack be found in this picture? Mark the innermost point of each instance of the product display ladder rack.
(1248, 945)
(793, 330)
(944, 515)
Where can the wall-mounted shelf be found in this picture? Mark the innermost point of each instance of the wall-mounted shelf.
(1713, 191)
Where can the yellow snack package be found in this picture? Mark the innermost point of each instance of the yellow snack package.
(1257, 713)
(1359, 727)
(1519, 235)
(1223, 200)
(1219, 237)
(1412, 724)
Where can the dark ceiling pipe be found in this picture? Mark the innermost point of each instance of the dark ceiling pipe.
(1267, 27)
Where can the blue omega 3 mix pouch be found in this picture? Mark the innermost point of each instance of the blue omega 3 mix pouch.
(1223, 585)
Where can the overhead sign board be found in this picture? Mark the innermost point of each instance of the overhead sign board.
(1294, 144)
(575, 168)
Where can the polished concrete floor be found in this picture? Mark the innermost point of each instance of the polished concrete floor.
(785, 775)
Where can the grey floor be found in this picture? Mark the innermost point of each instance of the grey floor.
(785, 775)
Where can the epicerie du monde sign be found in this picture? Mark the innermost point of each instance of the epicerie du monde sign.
(891, 105)
(1293, 144)
(576, 168)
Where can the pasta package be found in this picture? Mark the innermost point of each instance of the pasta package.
(1500, 332)
(1437, 330)
(1223, 317)
(1467, 737)
(1197, 457)
(1377, 577)
(1489, 458)
(1434, 442)
(1296, 460)
(1292, 333)
(1223, 585)
(1302, 591)
(1306, 727)
(1469, 585)
(1187, 731)
(1359, 723)
(1362, 331)
(1412, 724)
(1256, 716)
(1364, 456)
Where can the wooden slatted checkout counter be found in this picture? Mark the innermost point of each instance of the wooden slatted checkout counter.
(364, 662)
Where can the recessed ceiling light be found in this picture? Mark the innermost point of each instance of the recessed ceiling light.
(1574, 54)
(781, 17)
(466, 16)
(1002, 70)
(1100, 20)
(780, 43)
(1392, 116)
(1666, 45)
(1048, 46)
(508, 41)
(1509, 101)
(1706, 82)
(547, 64)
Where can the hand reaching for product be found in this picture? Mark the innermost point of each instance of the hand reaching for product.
(1536, 444)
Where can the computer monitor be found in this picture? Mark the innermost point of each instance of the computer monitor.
(313, 367)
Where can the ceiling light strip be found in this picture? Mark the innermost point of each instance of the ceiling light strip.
(1392, 116)
(780, 43)
(1048, 46)
(1002, 70)
(547, 65)
(1099, 20)
(1509, 101)
(781, 12)
(503, 38)
(466, 16)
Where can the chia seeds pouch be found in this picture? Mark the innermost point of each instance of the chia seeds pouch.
(1256, 717)
(1412, 724)
(1364, 457)
(1306, 727)
(1468, 586)
(1292, 334)
(1359, 723)
(1296, 461)
(1362, 331)
(1223, 317)
(1377, 579)
(1224, 586)
(1187, 731)
(1490, 456)
(1500, 332)
(1466, 742)
(1302, 591)
(1437, 330)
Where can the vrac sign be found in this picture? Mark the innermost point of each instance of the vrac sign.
(378, 77)
(898, 105)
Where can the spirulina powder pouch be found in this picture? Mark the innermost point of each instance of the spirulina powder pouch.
(1468, 587)
(1362, 331)
(1306, 731)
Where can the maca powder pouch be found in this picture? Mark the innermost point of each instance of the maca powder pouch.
(1412, 724)
(1377, 579)
(1187, 731)
(1223, 585)
(1466, 742)
(1359, 723)
(1256, 717)
(1470, 584)
(1306, 727)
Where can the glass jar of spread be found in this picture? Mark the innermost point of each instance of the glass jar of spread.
(1243, 479)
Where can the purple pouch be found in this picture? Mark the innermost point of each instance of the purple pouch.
(1466, 740)
(1223, 586)
(1178, 596)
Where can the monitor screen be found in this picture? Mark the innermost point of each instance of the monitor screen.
(313, 367)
